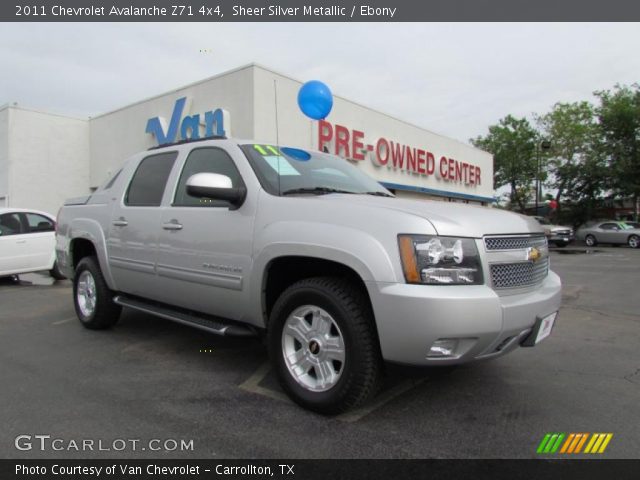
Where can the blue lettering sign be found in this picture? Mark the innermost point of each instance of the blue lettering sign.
(189, 126)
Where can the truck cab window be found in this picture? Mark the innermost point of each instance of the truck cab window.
(149, 181)
(205, 160)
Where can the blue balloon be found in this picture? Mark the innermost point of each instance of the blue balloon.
(315, 100)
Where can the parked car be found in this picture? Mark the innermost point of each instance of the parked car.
(247, 239)
(559, 235)
(27, 242)
(612, 232)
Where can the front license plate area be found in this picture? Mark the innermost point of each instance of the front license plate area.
(541, 330)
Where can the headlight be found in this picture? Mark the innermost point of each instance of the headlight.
(433, 260)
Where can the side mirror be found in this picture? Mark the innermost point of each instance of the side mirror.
(215, 187)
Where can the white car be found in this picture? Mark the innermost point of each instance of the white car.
(27, 242)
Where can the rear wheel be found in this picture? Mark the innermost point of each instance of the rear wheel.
(634, 241)
(93, 300)
(590, 240)
(324, 346)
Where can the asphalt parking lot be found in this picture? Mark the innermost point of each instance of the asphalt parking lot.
(151, 379)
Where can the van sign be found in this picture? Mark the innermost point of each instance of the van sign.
(191, 127)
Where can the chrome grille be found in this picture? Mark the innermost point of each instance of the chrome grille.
(521, 274)
(514, 243)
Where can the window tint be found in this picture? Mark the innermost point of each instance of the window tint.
(148, 183)
(10, 224)
(207, 160)
(39, 223)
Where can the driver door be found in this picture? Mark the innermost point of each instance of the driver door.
(204, 247)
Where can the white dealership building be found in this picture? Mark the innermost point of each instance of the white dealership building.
(47, 157)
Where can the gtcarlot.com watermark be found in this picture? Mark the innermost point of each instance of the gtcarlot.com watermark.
(49, 443)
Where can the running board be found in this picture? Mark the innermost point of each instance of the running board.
(204, 322)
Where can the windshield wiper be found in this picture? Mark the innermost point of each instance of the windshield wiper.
(315, 191)
(379, 194)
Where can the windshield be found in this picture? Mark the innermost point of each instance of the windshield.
(625, 226)
(288, 171)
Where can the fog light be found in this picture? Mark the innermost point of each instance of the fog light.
(442, 348)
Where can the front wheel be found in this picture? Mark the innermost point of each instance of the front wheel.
(323, 344)
(634, 241)
(93, 300)
(56, 273)
(590, 240)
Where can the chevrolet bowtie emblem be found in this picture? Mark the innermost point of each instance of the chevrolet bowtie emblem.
(533, 254)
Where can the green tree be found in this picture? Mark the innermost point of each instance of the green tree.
(619, 115)
(513, 145)
(574, 160)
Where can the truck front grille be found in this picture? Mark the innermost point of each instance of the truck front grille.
(520, 274)
(515, 243)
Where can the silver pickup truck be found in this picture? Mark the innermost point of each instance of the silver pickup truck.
(245, 239)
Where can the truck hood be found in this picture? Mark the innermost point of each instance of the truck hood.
(448, 218)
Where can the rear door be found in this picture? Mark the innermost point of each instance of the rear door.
(14, 252)
(40, 236)
(135, 226)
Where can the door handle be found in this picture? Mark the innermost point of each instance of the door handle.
(121, 222)
(172, 225)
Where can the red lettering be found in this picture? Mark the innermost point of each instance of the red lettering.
(325, 134)
(472, 176)
(342, 140)
(382, 143)
(397, 155)
(411, 159)
(443, 167)
(478, 174)
(465, 171)
(458, 171)
(357, 144)
(421, 162)
(451, 173)
(431, 163)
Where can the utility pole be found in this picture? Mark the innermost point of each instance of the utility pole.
(542, 145)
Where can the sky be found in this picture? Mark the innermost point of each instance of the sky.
(455, 79)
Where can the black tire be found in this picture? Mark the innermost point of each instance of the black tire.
(349, 308)
(590, 241)
(106, 313)
(633, 241)
(56, 273)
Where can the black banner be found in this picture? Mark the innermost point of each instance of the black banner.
(317, 10)
(319, 469)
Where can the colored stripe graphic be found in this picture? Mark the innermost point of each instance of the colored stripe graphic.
(572, 443)
(598, 443)
(550, 443)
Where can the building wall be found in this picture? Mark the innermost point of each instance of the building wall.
(117, 135)
(297, 130)
(4, 157)
(48, 159)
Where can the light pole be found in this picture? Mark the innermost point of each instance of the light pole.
(542, 145)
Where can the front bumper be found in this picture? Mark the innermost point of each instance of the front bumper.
(561, 238)
(410, 318)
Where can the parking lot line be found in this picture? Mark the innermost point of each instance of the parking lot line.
(379, 401)
(252, 384)
(66, 320)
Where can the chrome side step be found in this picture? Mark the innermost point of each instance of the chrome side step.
(206, 323)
